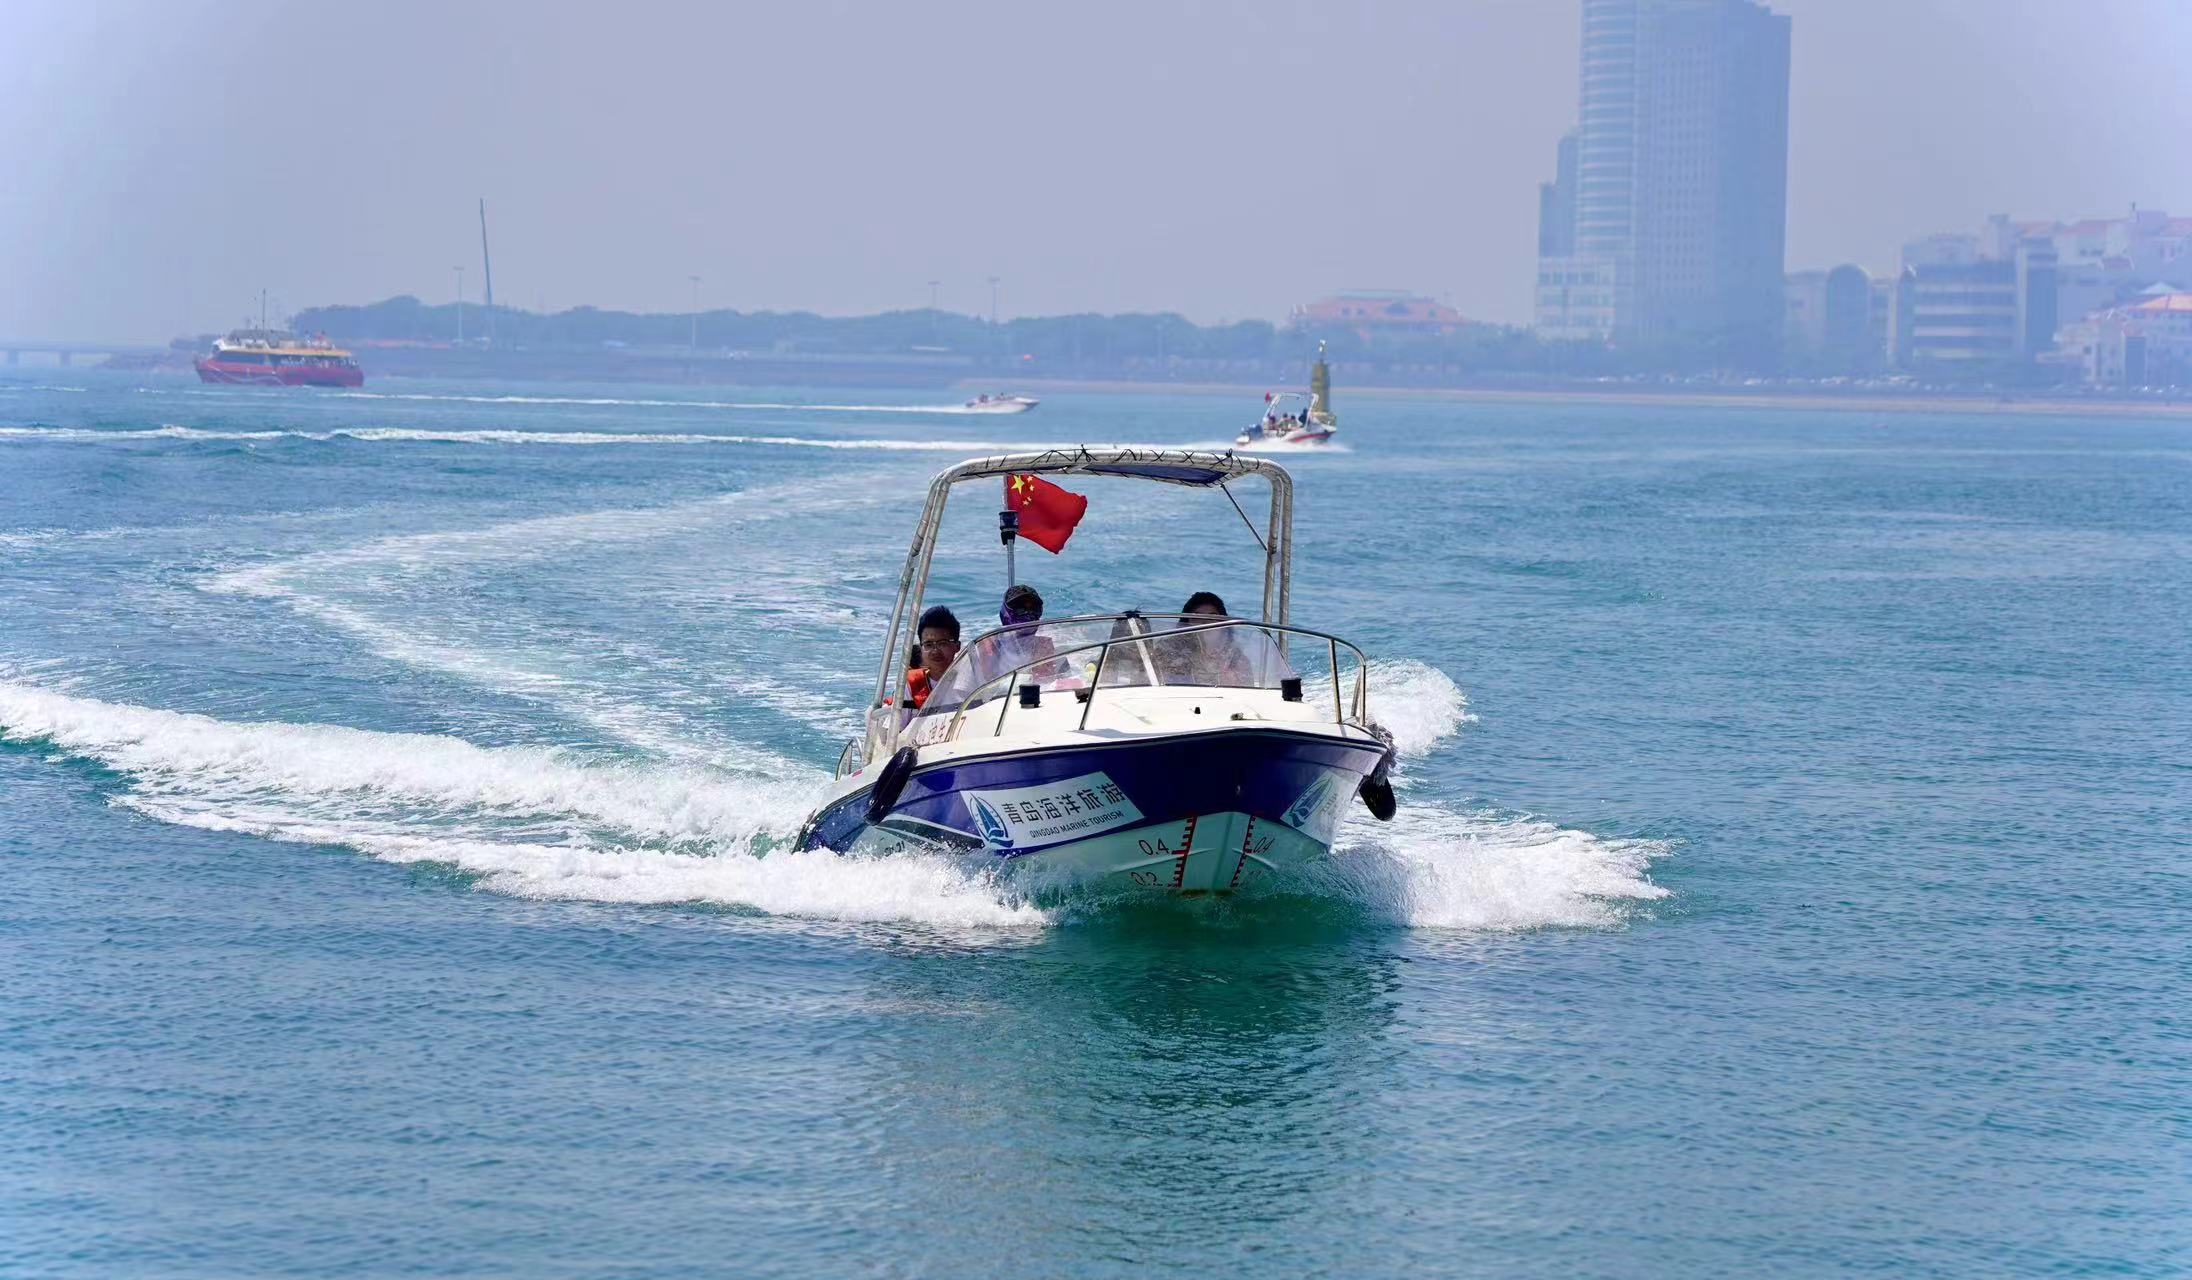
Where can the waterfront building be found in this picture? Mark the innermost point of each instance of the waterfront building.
(1575, 298)
(1804, 327)
(2105, 262)
(1968, 301)
(1679, 183)
(1828, 325)
(2148, 240)
(1849, 319)
(2034, 290)
(2146, 343)
(1880, 317)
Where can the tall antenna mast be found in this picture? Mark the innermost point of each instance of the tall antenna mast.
(487, 267)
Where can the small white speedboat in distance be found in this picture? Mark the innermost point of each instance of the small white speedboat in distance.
(1000, 404)
(1287, 419)
(1291, 418)
(1166, 753)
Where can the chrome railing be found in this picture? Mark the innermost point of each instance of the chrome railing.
(1141, 639)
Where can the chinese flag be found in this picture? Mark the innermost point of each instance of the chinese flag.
(1047, 512)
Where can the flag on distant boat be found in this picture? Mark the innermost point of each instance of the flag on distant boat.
(1048, 513)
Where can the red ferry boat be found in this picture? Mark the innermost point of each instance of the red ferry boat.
(274, 358)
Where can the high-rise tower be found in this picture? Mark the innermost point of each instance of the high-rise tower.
(1680, 187)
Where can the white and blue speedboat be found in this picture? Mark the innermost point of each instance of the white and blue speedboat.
(1175, 753)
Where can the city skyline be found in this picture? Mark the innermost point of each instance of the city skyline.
(1223, 164)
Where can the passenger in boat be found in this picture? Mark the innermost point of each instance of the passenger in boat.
(1023, 606)
(1021, 642)
(1209, 657)
(934, 649)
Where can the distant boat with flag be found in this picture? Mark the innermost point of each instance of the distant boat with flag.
(278, 358)
(1184, 752)
(1291, 418)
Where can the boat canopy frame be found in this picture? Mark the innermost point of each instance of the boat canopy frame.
(1190, 468)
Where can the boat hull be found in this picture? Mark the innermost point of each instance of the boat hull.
(1250, 440)
(258, 375)
(1209, 853)
(1182, 813)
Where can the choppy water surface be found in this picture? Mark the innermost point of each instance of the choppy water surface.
(1791, 874)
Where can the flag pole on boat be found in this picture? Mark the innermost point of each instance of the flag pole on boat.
(1008, 532)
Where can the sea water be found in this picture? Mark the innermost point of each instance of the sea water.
(1790, 877)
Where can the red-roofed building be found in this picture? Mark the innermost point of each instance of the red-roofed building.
(2098, 261)
(2159, 305)
(2147, 343)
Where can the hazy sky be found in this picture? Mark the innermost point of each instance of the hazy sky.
(161, 161)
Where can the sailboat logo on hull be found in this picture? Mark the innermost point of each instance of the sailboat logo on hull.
(993, 826)
(1313, 805)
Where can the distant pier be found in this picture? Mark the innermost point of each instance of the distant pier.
(65, 353)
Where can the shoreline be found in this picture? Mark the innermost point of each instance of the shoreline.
(1912, 402)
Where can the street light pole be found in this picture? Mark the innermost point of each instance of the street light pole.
(460, 306)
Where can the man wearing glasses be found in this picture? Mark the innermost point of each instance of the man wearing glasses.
(934, 649)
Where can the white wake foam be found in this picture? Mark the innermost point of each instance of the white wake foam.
(198, 528)
(292, 772)
(326, 586)
(409, 435)
(1417, 702)
(84, 434)
(531, 822)
(531, 537)
(548, 823)
(1289, 448)
(1434, 868)
(609, 401)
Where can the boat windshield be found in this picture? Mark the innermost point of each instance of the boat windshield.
(1196, 652)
